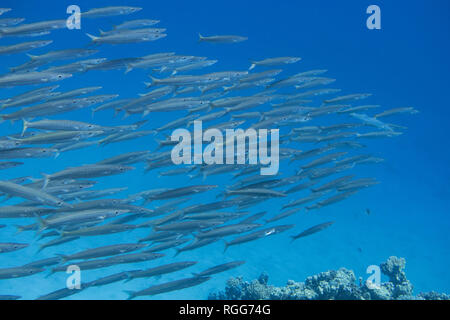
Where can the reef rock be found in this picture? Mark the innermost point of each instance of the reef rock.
(329, 285)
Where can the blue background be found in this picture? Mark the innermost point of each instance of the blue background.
(406, 63)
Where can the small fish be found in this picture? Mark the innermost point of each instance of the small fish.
(222, 39)
(168, 287)
(86, 171)
(108, 279)
(17, 190)
(336, 198)
(219, 268)
(25, 46)
(160, 270)
(409, 110)
(109, 11)
(33, 29)
(313, 230)
(104, 251)
(10, 164)
(349, 97)
(9, 247)
(257, 235)
(31, 78)
(132, 24)
(227, 230)
(274, 61)
(126, 37)
(19, 272)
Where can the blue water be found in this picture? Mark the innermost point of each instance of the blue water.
(403, 64)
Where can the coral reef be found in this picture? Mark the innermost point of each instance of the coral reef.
(335, 284)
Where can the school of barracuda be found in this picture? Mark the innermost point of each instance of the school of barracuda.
(62, 206)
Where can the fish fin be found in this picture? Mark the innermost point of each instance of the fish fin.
(93, 38)
(252, 66)
(131, 294)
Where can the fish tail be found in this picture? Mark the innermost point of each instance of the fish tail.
(131, 294)
(252, 66)
(46, 180)
(93, 38)
(32, 57)
(128, 279)
(154, 81)
(19, 229)
(41, 222)
(25, 126)
(129, 68)
(226, 246)
(177, 252)
(200, 37)
(63, 257)
(51, 272)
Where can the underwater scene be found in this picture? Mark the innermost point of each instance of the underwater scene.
(193, 150)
